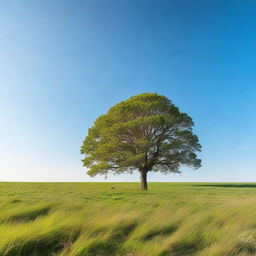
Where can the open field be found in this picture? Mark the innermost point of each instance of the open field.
(96, 219)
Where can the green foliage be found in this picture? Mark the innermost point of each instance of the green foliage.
(84, 219)
(146, 132)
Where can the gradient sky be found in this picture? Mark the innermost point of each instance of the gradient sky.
(64, 63)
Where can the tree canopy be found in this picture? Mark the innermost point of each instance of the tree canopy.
(145, 133)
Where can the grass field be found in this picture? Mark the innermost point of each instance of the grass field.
(96, 219)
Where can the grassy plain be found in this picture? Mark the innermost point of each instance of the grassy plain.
(112, 219)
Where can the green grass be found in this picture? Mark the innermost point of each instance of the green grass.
(112, 219)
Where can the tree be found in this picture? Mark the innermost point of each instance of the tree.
(145, 133)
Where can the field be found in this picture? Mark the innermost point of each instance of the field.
(112, 219)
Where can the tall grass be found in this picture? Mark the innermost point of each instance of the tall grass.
(111, 219)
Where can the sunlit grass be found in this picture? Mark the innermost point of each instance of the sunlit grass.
(96, 219)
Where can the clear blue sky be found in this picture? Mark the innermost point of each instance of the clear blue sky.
(64, 63)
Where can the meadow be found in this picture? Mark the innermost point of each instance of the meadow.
(116, 219)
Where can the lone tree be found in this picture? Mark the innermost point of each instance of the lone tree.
(145, 133)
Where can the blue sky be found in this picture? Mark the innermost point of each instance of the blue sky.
(64, 63)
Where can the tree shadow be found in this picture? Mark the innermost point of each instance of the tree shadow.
(227, 185)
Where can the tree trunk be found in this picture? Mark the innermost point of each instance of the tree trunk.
(143, 180)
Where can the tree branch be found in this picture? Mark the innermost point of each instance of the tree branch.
(167, 162)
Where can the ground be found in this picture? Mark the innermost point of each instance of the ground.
(112, 219)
